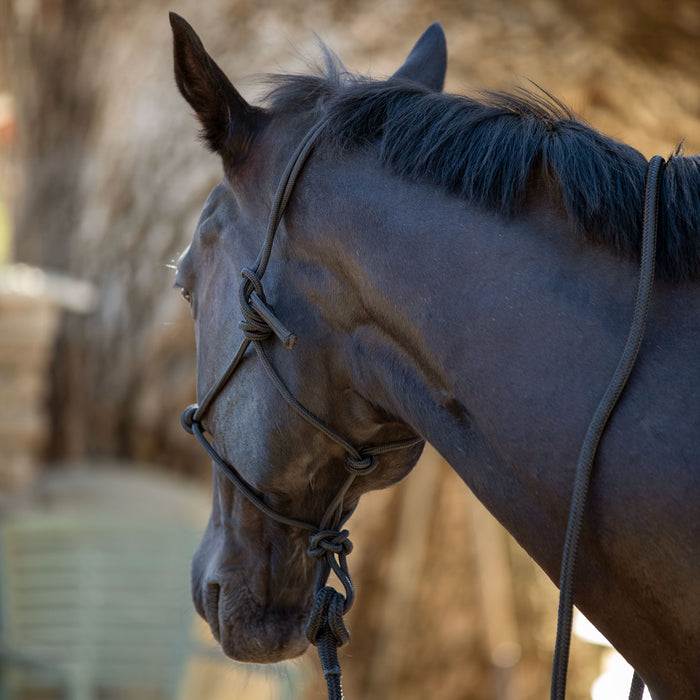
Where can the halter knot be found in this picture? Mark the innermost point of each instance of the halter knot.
(253, 325)
(362, 464)
(329, 542)
(259, 320)
(326, 619)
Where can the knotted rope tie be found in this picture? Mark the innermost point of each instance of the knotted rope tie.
(326, 628)
(253, 324)
(331, 548)
(329, 542)
(259, 320)
(327, 631)
(326, 617)
(360, 464)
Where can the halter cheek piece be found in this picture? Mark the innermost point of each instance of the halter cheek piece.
(328, 544)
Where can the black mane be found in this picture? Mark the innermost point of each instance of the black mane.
(486, 149)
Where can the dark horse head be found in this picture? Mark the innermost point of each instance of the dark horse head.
(252, 578)
(455, 270)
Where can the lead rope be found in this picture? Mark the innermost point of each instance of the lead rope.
(595, 431)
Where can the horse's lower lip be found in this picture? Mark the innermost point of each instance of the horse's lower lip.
(255, 651)
(249, 632)
(268, 640)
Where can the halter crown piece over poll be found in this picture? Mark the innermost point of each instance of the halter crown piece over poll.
(329, 544)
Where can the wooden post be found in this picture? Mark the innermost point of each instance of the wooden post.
(499, 620)
(417, 507)
(31, 302)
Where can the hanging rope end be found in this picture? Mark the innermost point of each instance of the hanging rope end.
(327, 631)
(326, 619)
(263, 319)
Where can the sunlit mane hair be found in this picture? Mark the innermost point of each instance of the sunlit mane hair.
(488, 148)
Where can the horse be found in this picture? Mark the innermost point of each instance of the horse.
(458, 270)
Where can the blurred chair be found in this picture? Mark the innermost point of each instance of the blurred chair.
(94, 593)
(92, 603)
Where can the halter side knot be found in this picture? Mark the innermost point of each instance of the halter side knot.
(259, 320)
(361, 464)
(253, 324)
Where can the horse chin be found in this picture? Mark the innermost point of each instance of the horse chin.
(262, 636)
(250, 631)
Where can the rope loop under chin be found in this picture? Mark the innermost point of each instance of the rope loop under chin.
(329, 542)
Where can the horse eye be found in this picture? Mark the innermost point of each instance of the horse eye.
(186, 294)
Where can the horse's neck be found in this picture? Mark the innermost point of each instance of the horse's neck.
(464, 351)
(495, 341)
(472, 327)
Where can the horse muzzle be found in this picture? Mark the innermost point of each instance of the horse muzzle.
(249, 632)
(256, 612)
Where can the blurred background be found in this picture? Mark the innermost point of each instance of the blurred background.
(102, 495)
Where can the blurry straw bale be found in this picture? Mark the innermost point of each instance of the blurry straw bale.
(31, 303)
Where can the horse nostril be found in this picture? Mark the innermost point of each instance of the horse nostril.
(211, 605)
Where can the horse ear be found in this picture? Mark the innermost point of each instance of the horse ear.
(229, 123)
(427, 62)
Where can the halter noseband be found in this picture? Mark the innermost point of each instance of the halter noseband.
(328, 544)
